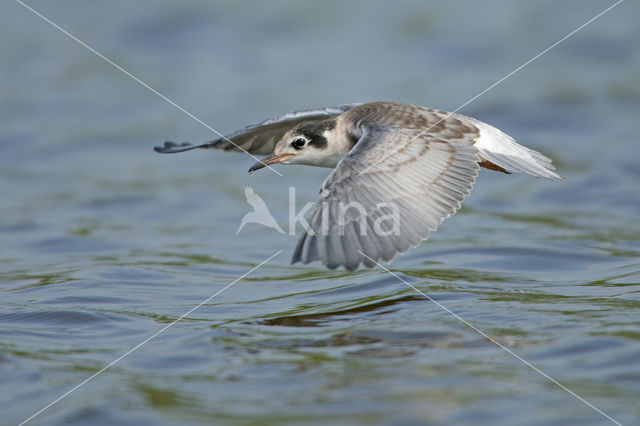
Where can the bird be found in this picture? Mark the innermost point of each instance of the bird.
(260, 213)
(400, 169)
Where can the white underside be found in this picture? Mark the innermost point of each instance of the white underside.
(499, 148)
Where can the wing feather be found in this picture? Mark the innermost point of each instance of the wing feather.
(421, 184)
(260, 138)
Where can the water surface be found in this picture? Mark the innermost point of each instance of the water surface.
(105, 242)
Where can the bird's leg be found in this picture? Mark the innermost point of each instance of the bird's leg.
(491, 166)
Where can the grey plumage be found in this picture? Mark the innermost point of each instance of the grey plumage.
(412, 164)
(260, 138)
(427, 180)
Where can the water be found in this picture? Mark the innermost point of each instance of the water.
(104, 242)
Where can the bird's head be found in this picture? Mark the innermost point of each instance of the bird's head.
(307, 143)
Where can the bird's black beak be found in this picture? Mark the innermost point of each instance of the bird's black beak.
(271, 159)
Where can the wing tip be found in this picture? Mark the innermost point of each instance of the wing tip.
(171, 147)
(297, 252)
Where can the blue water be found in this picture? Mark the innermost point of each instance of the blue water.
(104, 242)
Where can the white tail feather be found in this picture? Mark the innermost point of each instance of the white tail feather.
(499, 148)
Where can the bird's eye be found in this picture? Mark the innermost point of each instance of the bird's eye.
(299, 143)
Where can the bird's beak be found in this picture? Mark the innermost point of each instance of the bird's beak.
(271, 159)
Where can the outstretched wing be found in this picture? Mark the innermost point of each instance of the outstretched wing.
(365, 214)
(258, 138)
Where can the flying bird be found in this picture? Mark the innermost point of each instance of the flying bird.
(400, 170)
(260, 213)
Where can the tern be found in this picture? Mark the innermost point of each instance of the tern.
(399, 169)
